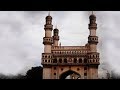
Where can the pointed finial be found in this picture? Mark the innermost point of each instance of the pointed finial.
(60, 44)
(49, 13)
(92, 12)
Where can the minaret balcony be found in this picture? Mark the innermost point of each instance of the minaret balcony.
(93, 26)
(48, 27)
(93, 39)
(47, 40)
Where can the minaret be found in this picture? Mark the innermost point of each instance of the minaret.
(47, 40)
(93, 39)
(93, 55)
(55, 36)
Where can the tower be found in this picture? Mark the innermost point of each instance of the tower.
(93, 55)
(47, 41)
(93, 39)
(74, 62)
(55, 37)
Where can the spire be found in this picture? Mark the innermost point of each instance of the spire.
(56, 31)
(92, 12)
(92, 24)
(49, 13)
(92, 16)
(60, 44)
(48, 18)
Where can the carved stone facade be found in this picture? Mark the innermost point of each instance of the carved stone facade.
(80, 62)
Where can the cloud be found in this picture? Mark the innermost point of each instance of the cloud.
(109, 33)
(19, 42)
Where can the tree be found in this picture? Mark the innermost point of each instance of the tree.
(34, 73)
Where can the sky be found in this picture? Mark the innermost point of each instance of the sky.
(22, 32)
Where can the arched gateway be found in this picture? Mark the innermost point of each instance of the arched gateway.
(70, 75)
(77, 62)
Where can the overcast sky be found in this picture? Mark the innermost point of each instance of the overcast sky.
(22, 32)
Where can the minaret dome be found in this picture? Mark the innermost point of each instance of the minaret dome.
(49, 17)
(92, 16)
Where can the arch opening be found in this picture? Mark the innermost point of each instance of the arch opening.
(70, 75)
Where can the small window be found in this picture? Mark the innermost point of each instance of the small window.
(85, 74)
(65, 60)
(54, 73)
(60, 60)
(80, 60)
(61, 69)
(45, 60)
(89, 60)
(90, 56)
(78, 69)
(54, 60)
(85, 68)
(85, 60)
(54, 68)
(75, 60)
